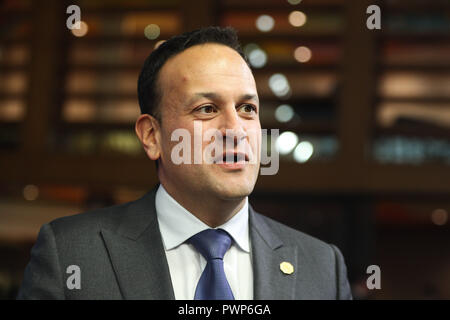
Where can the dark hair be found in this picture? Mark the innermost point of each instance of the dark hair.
(148, 90)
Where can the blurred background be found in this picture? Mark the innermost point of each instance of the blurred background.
(364, 117)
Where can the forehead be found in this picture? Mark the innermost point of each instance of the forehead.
(208, 65)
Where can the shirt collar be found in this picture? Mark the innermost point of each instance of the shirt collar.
(177, 224)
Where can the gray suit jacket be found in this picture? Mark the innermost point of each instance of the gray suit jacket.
(120, 254)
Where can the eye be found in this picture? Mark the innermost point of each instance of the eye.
(248, 108)
(206, 109)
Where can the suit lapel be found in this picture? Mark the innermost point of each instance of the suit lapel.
(268, 252)
(137, 253)
(140, 264)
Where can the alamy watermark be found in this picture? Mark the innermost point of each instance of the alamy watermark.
(374, 280)
(74, 280)
(213, 147)
(374, 20)
(74, 20)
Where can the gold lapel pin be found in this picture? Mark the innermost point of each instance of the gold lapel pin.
(286, 267)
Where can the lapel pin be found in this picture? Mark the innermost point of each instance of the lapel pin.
(286, 267)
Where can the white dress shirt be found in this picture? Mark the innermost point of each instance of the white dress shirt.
(186, 264)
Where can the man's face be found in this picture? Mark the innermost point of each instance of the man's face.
(210, 84)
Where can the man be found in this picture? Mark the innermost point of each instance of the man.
(194, 236)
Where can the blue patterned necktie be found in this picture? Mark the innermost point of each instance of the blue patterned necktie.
(212, 245)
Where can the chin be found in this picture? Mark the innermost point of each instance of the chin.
(234, 191)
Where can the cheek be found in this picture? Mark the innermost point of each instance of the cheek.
(166, 141)
(254, 135)
(180, 135)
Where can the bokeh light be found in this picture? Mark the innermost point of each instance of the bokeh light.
(303, 151)
(284, 113)
(439, 217)
(286, 142)
(30, 192)
(297, 18)
(265, 23)
(258, 58)
(152, 31)
(279, 85)
(302, 54)
(82, 31)
(294, 2)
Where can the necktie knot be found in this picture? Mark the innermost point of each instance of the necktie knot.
(212, 243)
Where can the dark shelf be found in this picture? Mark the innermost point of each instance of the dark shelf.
(310, 127)
(427, 68)
(21, 40)
(413, 37)
(17, 67)
(415, 130)
(102, 96)
(112, 9)
(433, 100)
(415, 7)
(282, 7)
(11, 95)
(97, 127)
(105, 67)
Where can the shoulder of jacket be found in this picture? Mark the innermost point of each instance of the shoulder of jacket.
(293, 237)
(89, 220)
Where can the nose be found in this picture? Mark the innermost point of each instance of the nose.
(231, 127)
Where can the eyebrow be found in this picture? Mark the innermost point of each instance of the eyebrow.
(215, 96)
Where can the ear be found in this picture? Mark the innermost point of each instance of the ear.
(148, 131)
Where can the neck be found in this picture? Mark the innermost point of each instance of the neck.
(211, 211)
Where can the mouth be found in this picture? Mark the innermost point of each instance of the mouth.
(232, 160)
(233, 157)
